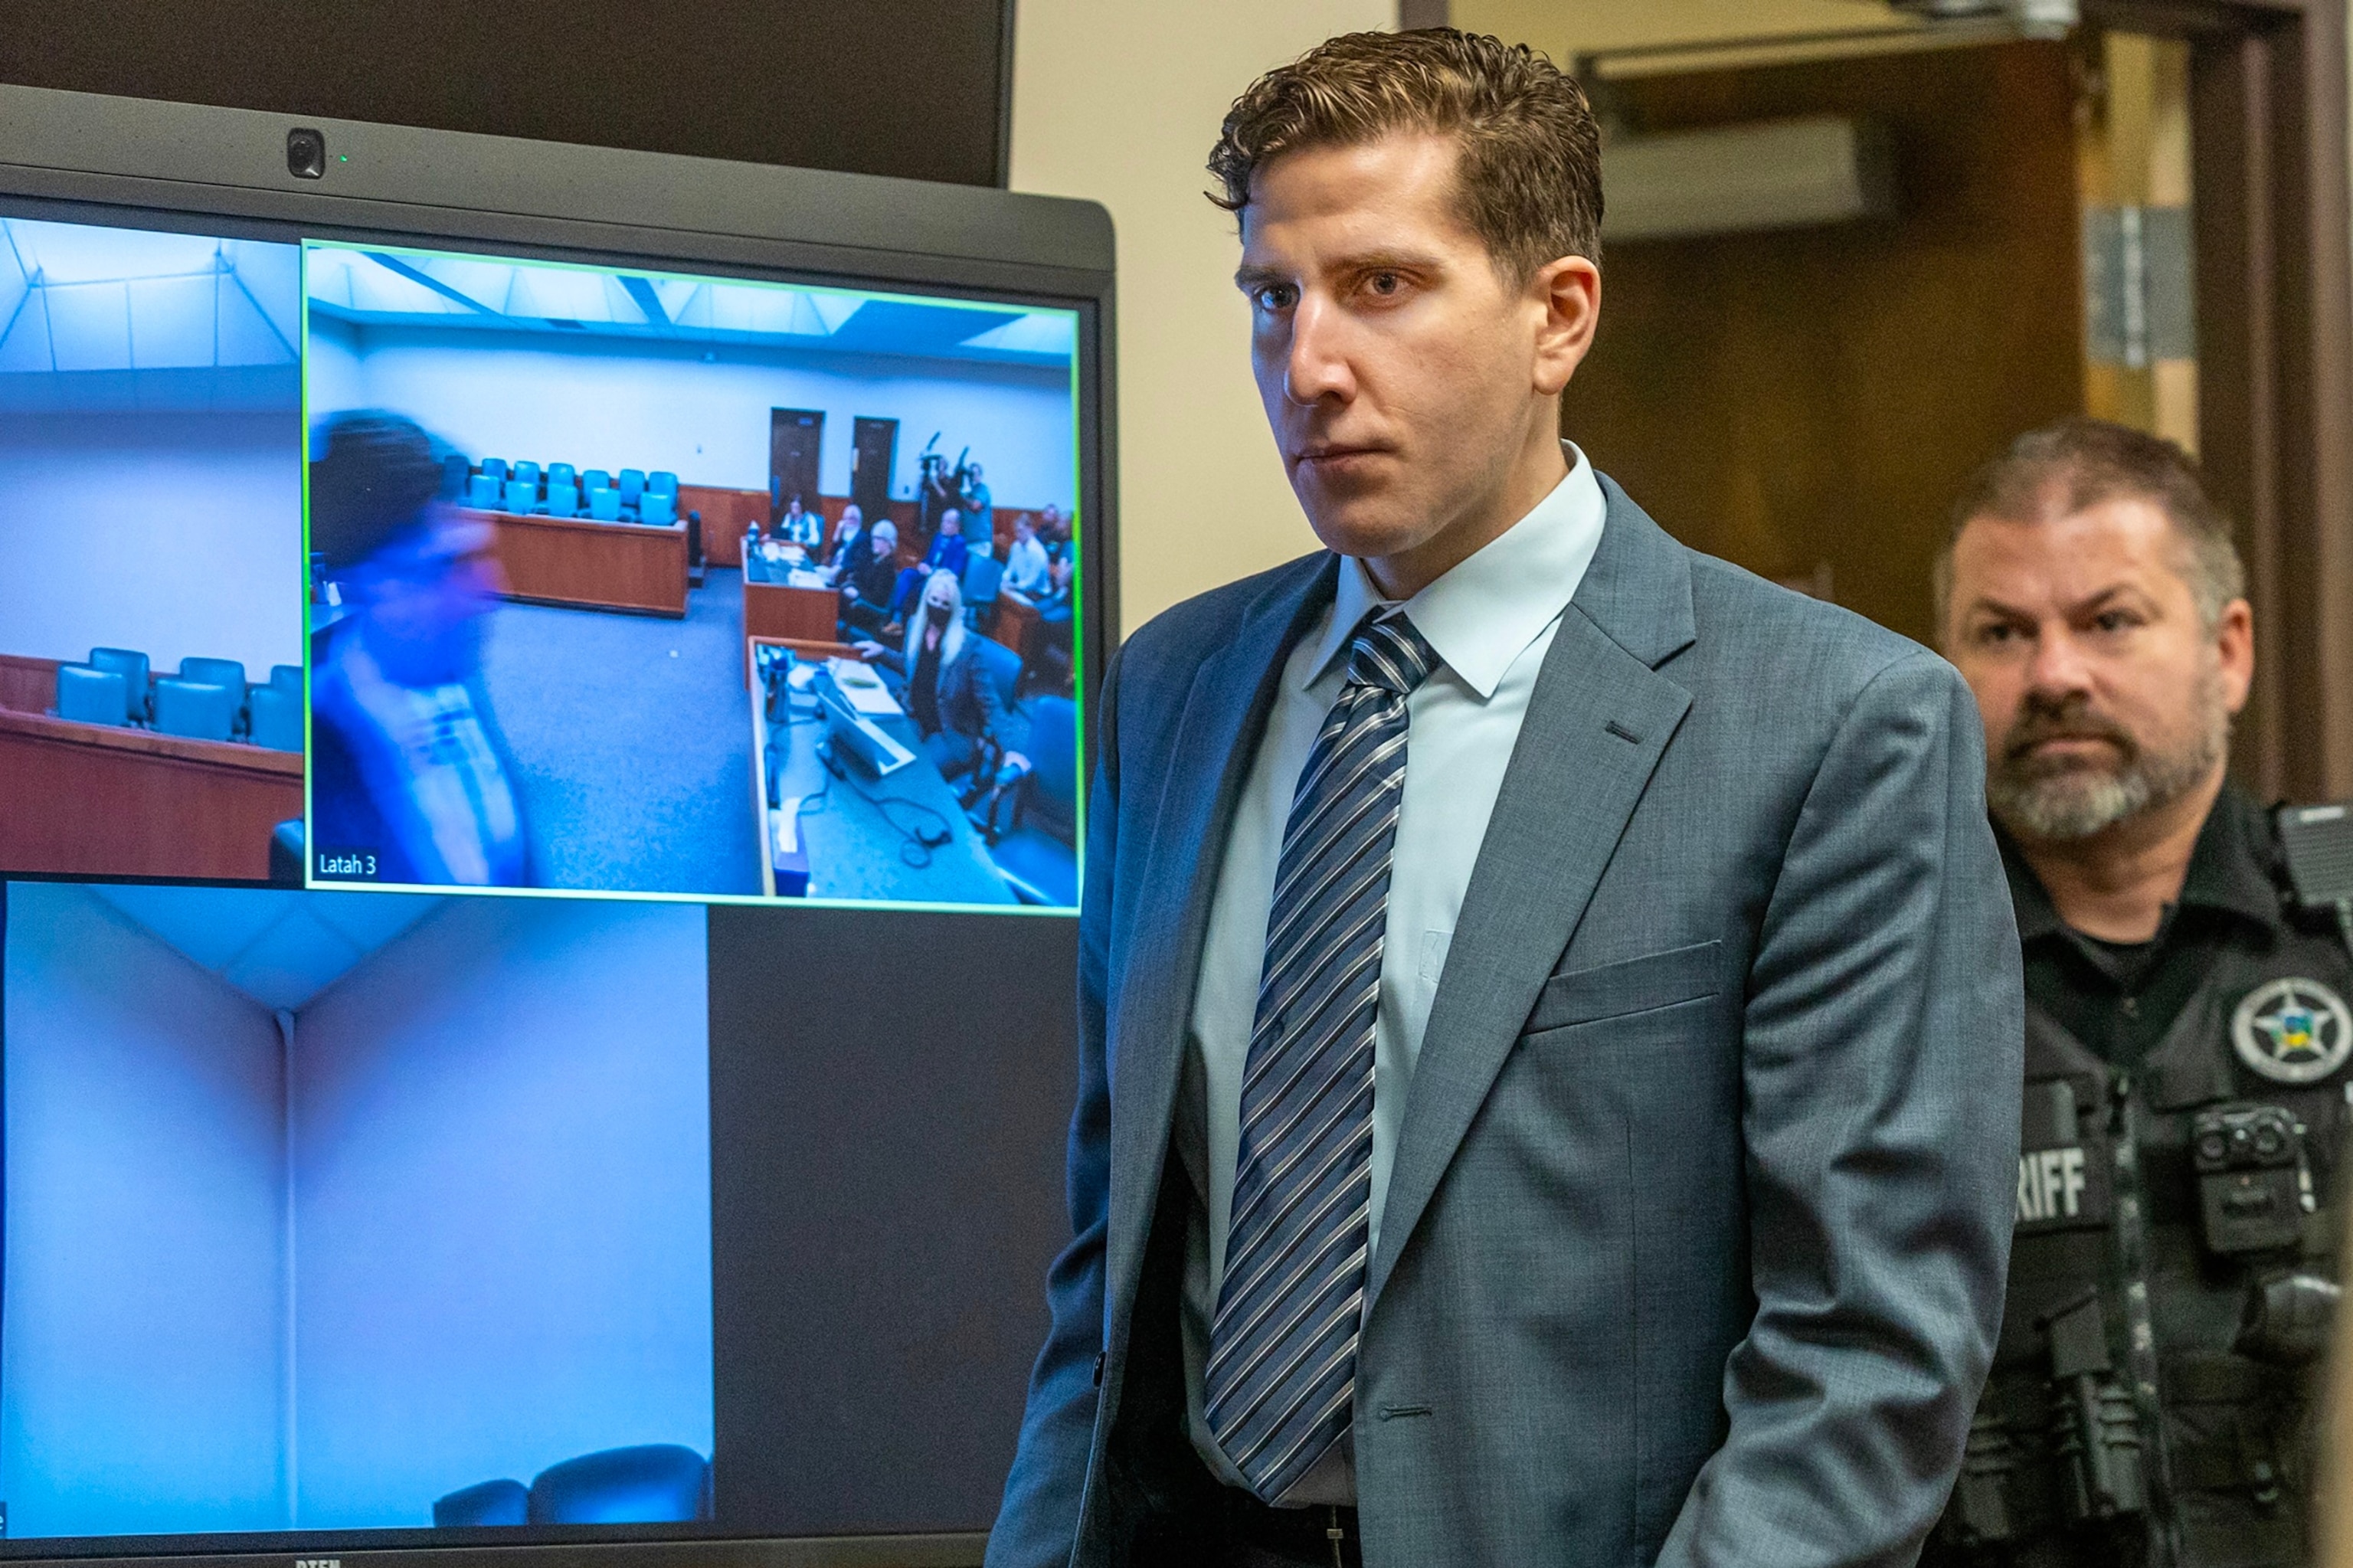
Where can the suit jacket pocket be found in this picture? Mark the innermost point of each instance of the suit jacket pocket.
(1629, 986)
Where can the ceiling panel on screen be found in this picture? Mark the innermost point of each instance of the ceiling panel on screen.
(174, 321)
(282, 950)
(271, 276)
(385, 289)
(90, 326)
(84, 301)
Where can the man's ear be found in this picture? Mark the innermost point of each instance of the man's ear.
(1567, 294)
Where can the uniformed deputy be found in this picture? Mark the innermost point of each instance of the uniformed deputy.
(2154, 1394)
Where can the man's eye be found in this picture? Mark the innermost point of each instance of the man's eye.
(1385, 283)
(2115, 620)
(1996, 634)
(1274, 297)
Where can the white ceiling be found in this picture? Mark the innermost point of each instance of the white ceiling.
(280, 949)
(413, 289)
(76, 298)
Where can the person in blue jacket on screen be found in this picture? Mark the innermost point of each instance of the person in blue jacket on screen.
(411, 780)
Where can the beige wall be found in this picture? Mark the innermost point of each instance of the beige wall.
(1119, 101)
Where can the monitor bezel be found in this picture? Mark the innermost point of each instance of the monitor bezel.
(91, 158)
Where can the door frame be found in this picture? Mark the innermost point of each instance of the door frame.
(2270, 200)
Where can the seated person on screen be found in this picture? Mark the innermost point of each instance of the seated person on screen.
(1027, 570)
(849, 540)
(1054, 531)
(947, 555)
(869, 580)
(407, 762)
(949, 693)
(799, 527)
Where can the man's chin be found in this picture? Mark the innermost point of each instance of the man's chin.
(1368, 531)
(2064, 806)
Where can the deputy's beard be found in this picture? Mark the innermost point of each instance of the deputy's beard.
(2067, 799)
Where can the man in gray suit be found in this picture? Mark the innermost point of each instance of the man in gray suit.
(1592, 1140)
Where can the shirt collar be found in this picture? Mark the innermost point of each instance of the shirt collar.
(2227, 872)
(1483, 615)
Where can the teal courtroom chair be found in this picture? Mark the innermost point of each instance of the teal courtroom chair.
(286, 678)
(562, 498)
(528, 473)
(92, 696)
(132, 665)
(633, 485)
(277, 718)
(562, 473)
(605, 503)
(482, 493)
(196, 709)
(596, 479)
(661, 481)
(227, 673)
(522, 495)
(495, 469)
(1036, 855)
(657, 509)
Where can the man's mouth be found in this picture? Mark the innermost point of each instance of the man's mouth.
(1333, 456)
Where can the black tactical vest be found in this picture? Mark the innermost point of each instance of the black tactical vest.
(2155, 1393)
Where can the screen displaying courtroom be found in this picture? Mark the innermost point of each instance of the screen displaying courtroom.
(638, 583)
(150, 527)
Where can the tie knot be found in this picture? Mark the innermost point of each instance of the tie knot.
(1391, 654)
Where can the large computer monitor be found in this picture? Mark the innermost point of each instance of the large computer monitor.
(487, 1059)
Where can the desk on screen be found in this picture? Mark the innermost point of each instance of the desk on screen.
(93, 800)
(593, 566)
(774, 606)
(853, 850)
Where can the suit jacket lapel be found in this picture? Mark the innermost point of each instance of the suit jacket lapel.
(1598, 720)
(1206, 766)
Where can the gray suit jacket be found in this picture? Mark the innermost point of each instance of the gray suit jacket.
(1695, 1237)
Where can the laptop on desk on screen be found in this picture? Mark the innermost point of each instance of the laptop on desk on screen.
(853, 697)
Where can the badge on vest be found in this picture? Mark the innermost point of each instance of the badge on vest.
(2292, 1030)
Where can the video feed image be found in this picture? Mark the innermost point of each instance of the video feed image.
(150, 541)
(637, 583)
(327, 1211)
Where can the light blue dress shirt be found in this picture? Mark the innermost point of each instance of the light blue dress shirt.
(1491, 620)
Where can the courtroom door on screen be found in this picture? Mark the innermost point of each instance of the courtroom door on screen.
(794, 437)
(873, 448)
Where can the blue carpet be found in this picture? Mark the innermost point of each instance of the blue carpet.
(633, 737)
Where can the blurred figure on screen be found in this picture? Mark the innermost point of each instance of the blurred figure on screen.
(408, 764)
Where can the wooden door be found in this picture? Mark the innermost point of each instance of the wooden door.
(794, 435)
(1806, 403)
(874, 448)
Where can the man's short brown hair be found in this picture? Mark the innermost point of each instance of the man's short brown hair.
(2062, 469)
(1529, 181)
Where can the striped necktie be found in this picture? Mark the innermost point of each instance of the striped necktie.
(1282, 1347)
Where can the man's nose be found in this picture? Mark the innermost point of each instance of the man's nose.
(1316, 368)
(2059, 666)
